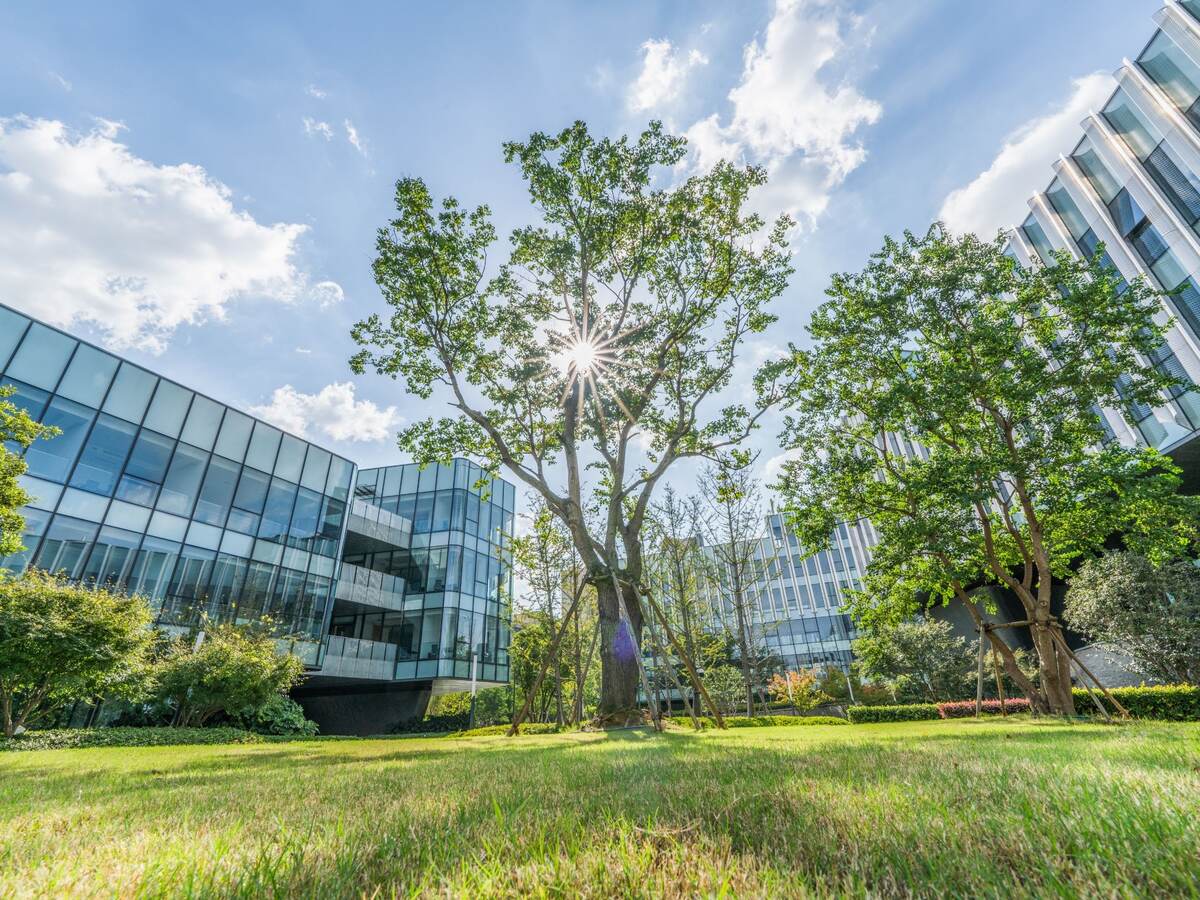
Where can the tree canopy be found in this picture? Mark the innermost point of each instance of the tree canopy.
(596, 355)
(951, 397)
(16, 427)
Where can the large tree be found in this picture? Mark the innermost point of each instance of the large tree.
(951, 396)
(597, 356)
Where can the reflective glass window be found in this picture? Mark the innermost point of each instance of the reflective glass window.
(182, 483)
(1133, 127)
(52, 459)
(192, 571)
(42, 356)
(1172, 70)
(112, 557)
(12, 328)
(36, 521)
(256, 595)
(88, 375)
(1127, 215)
(216, 494)
(306, 518)
(290, 460)
(228, 575)
(168, 409)
(130, 393)
(1066, 208)
(27, 397)
(316, 468)
(203, 420)
(64, 546)
(264, 444)
(338, 483)
(235, 435)
(146, 468)
(277, 514)
(153, 567)
(248, 501)
(103, 456)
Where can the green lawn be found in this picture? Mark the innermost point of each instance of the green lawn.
(992, 808)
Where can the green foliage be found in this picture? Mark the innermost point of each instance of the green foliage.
(726, 685)
(235, 671)
(1170, 702)
(72, 738)
(279, 715)
(61, 642)
(907, 712)
(1152, 613)
(800, 690)
(922, 658)
(756, 721)
(16, 428)
(491, 706)
(524, 728)
(998, 371)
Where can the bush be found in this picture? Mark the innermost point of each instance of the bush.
(525, 728)
(756, 721)
(67, 738)
(1171, 702)
(279, 715)
(965, 709)
(908, 712)
(491, 706)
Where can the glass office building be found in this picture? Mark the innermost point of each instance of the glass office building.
(210, 513)
(1132, 183)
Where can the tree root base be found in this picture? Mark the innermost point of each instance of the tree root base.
(621, 718)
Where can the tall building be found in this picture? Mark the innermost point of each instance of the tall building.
(1132, 183)
(210, 513)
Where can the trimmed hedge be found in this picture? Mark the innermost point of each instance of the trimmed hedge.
(756, 721)
(525, 728)
(965, 709)
(906, 712)
(67, 738)
(1170, 702)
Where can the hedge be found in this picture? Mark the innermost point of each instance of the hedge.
(756, 721)
(964, 709)
(907, 712)
(525, 728)
(1170, 702)
(67, 738)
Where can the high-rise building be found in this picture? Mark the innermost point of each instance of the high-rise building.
(212, 514)
(1132, 183)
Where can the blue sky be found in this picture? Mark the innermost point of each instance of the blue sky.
(210, 177)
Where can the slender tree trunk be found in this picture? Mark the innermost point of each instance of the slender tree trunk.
(6, 708)
(619, 649)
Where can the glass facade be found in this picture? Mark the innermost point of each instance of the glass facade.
(432, 602)
(154, 488)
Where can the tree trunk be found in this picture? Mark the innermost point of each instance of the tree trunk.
(6, 706)
(619, 649)
(1055, 670)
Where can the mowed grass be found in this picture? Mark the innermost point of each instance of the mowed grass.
(994, 808)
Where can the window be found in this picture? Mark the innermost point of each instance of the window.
(1173, 71)
(277, 514)
(306, 518)
(64, 546)
(112, 557)
(290, 460)
(146, 469)
(52, 459)
(235, 435)
(130, 393)
(216, 493)
(182, 484)
(12, 328)
(100, 464)
(264, 445)
(88, 376)
(248, 501)
(168, 409)
(1067, 209)
(41, 358)
(1097, 174)
(203, 420)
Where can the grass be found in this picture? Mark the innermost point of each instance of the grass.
(991, 808)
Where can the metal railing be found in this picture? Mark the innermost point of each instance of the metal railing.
(356, 658)
(378, 523)
(370, 588)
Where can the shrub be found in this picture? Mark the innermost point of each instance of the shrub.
(908, 712)
(525, 728)
(965, 709)
(756, 721)
(1172, 702)
(67, 738)
(279, 715)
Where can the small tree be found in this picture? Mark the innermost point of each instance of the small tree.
(16, 427)
(61, 642)
(726, 686)
(922, 657)
(1152, 613)
(997, 371)
(800, 690)
(235, 670)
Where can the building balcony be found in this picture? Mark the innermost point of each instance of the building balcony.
(379, 524)
(354, 658)
(367, 587)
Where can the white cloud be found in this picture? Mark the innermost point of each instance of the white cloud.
(91, 232)
(663, 74)
(62, 82)
(327, 293)
(353, 137)
(332, 412)
(313, 127)
(315, 92)
(304, 351)
(998, 197)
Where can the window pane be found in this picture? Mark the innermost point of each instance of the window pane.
(12, 328)
(217, 492)
(248, 501)
(88, 375)
(183, 480)
(316, 467)
(100, 463)
(290, 460)
(1126, 213)
(263, 446)
(1037, 236)
(1172, 70)
(152, 568)
(168, 408)
(278, 512)
(235, 435)
(338, 483)
(306, 518)
(42, 356)
(64, 546)
(112, 557)
(35, 526)
(1131, 125)
(52, 459)
(27, 397)
(203, 420)
(146, 468)
(130, 393)
(1176, 181)
(1066, 209)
